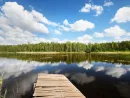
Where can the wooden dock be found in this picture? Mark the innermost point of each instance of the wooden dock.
(55, 86)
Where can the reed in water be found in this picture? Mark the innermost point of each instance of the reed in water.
(1, 84)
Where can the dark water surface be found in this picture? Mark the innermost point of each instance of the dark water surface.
(95, 75)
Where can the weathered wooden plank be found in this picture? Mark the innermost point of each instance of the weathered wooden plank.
(38, 81)
(52, 85)
(55, 86)
(58, 94)
(51, 78)
(56, 90)
(58, 97)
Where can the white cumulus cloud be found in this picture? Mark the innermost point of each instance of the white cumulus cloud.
(17, 16)
(18, 25)
(98, 35)
(90, 7)
(81, 25)
(114, 31)
(77, 26)
(127, 34)
(108, 3)
(122, 15)
(57, 32)
(85, 38)
(40, 18)
(65, 22)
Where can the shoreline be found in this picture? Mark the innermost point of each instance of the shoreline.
(48, 52)
(119, 52)
(66, 52)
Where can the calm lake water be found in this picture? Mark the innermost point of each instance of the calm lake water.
(95, 75)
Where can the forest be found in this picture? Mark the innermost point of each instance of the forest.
(68, 47)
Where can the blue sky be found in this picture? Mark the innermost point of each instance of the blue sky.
(34, 21)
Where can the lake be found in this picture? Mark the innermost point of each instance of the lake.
(95, 75)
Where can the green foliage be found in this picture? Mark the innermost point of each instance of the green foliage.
(67, 47)
(45, 47)
(89, 48)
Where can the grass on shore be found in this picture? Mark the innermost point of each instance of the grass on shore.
(1, 83)
(118, 52)
(48, 52)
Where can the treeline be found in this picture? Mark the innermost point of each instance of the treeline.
(67, 47)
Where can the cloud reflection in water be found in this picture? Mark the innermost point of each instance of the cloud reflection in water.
(82, 78)
(114, 70)
(85, 65)
(14, 67)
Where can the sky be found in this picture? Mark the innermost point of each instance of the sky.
(35, 21)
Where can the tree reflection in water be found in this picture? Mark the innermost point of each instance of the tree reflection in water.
(85, 71)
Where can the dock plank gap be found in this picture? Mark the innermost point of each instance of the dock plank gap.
(55, 86)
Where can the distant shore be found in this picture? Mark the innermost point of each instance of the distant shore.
(118, 52)
(47, 52)
(68, 52)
